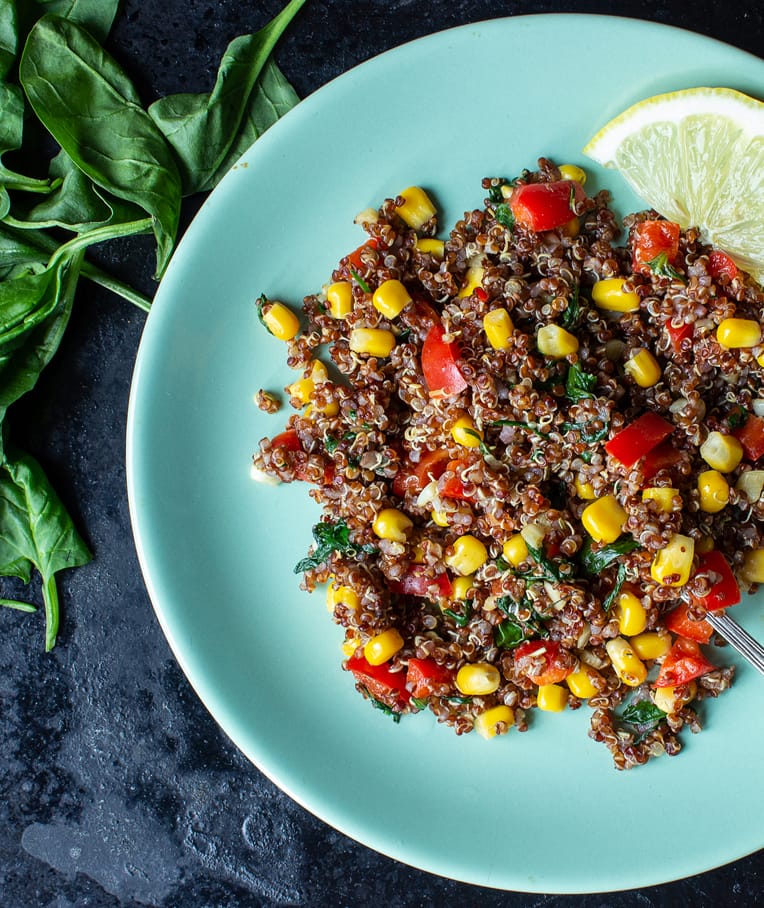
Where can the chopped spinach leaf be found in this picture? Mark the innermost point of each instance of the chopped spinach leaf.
(541, 558)
(579, 384)
(588, 436)
(330, 443)
(661, 267)
(463, 619)
(502, 564)
(509, 634)
(420, 702)
(504, 216)
(737, 417)
(331, 537)
(531, 623)
(619, 580)
(456, 699)
(520, 425)
(572, 313)
(259, 303)
(594, 561)
(643, 716)
(360, 281)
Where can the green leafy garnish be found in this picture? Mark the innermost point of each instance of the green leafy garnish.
(509, 634)
(330, 538)
(514, 630)
(360, 281)
(588, 436)
(456, 699)
(460, 620)
(594, 561)
(330, 443)
(482, 446)
(504, 215)
(579, 384)
(572, 313)
(619, 581)
(551, 568)
(644, 716)
(420, 702)
(382, 707)
(528, 427)
(502, 564)
(661, 267)
(737, 417)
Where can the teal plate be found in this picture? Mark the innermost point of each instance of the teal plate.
(540, 812)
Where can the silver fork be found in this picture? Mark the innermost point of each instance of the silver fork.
(740, 639)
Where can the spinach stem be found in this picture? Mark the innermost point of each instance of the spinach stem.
(50, 598)
(16, 604)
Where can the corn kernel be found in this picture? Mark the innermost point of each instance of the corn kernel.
(280, 321)
(644, 368)
(390, 523)
(436, 248)
(673, 563)
(670, 700)
(498, 328)
(573, 172)
(515, 550)
(663, 496)
(571, 228)
(609, 294)
(466, 555)
(349, 646)
(340, 298)
(629, 668)
(477, 679)
(738, 332)
(391, 298)
(604, 519)
(417, 555)
(554, 341)
(552, 698)
(417, 207)
(461, 587)
(344, 595)
(382, 647)
(704, 544)
(631, 614)
(651, 644)
(486, 724)
(582, 681)
(374, 341)
(760, 358)
(439, 518)
(318, 372)
(752, 569)
(302, 389)
(713, 491)
(465, 433)
(584, 490)
(721, 452)
(472, 280)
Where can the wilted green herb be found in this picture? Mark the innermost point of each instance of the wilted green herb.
(579, 384)
(420, 702)
(572, 311)
(460, 620)
(643, 716)
(528, 427)
(504, 215)
(661, 267)
(619, 581)
(360, 281)
(331, 537)
(588, 436)
(382, 707)
(737, 417)
(594, 561)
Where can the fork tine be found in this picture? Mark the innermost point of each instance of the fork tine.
(740, 639)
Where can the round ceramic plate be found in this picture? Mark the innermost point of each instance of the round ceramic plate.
(543, 811)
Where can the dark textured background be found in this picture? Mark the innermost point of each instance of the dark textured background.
(117, 786)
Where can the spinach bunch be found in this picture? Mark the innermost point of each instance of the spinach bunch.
(116, 169)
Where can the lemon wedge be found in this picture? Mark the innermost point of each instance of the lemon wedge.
(697, 157)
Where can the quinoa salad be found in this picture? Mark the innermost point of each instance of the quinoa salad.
(536, 446)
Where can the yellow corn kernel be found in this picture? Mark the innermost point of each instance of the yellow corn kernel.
(628, 666)
(318, 372)
(713, 491)
(604, 519)
(382, 647)
(390, 523)
(472, 280)
(417, 207)
(673, 563)
(552, 698)
(340, 298)
(436, 248)
(573, 172)
(465, 433)
(721, 452)
(554, 341)
(466, 555)
(670, 700)
(391, 298)
(374, 341)
(631, 614)
(418, 554)
(302, 389)
(644, 368)
(663, 496)
(584, 490)
(345, 595)
(498, 328)
(439, 518)
(349, 646)
(752, 569)
(651, 644)
(487, 723)
(515, 550)
(582, 681)
(760, 358)
(609, 294)
(572, 227)
(738, 332)
(461, 587)
(477, 679)
(704, 544)
(280, 321)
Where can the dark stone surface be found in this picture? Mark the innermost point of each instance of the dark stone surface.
(117, 786)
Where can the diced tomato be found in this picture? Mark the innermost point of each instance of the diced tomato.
(544, 206)
(651, 239)
(720, 264)
(544, 661)
(354, 259)
(440, 364)
(639, 437)
(287, 439)
(415, 582)
(424, 676)
(725, 592)
(751, 436)
(413, 477)
(679, 622)
(683, 663)
(679, 335)
(662, 457)
(454, 486)
(380, 681)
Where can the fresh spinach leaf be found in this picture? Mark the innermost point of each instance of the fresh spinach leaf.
(643, 716)
(595, 560)
(97, 16)
(550, 568)
(509, 634)
(9, 36)
(579, 384)
(514, 630)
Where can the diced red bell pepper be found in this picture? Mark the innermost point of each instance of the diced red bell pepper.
(354, 258)
(639, 437)
(751, 436)
(415, 582)
(287, 439)
(413, 477)
(720, 264)
(380, 681)
(678, 335)
(651, 239)
(454, 486)
(662, 457)
(544, 661)
(440, 365)
(544, 206)
(424, 676)
(725, 592)
(679, 622)
(683, 663)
